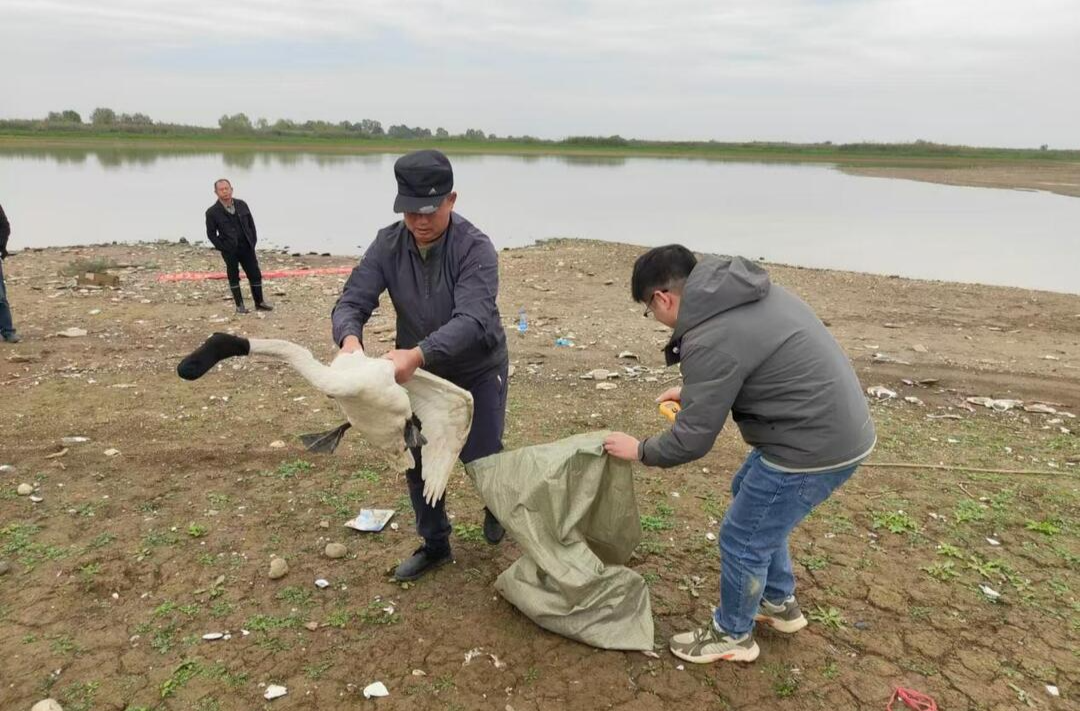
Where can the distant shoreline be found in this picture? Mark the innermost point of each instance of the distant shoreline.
(1058, 172)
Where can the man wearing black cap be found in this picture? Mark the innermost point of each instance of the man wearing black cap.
(443, 277)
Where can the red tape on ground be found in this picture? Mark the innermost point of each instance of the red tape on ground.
(279, 274)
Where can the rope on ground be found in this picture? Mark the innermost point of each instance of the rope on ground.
(976, 470)
(912, 699)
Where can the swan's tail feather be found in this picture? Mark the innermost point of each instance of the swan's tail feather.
(216, 349)
(413, 436)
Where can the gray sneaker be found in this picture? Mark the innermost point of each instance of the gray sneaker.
(708, 645)
(785, 617)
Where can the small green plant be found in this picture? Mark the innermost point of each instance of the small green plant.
(220, 609)
(266, 623)
(786, 686)
(338, 618)
(894, 521)
(197, 530)
(815, 562)
(443, 683)
(379, 613)
(316, 671)
(100, 541)
(80, 697)
(218, 500)
(941, 571)
(969, 510)
(63, 644)
(1048, 526)
(951, 551)
(830, 671)
(296, 596)
(89, 570)
(917, 612)
(368, 475)
(163, 640)
(469, 532)
(181, 675)
(531, 675)
(661, 520)
(290, 470)
(827, 616)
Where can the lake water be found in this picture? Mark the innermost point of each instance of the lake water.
(809, 215)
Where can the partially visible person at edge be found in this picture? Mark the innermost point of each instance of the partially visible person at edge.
(442, 274)
(231, 229)
(7, 325)
(753, 349)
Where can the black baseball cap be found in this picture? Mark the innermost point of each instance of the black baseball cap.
(424, 180)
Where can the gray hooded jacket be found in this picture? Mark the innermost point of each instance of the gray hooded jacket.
(756, 350)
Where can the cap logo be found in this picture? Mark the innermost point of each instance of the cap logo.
(432, 191)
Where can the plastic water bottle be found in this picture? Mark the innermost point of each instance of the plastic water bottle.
(523, 323)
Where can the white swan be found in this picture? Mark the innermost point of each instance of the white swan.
(427, 411)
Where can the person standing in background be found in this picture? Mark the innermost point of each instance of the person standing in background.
(7, 326)
(231, 229)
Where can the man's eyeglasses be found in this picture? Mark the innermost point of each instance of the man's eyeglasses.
(648, 304)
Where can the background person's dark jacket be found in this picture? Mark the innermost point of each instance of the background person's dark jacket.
(229, 233)
(5, 232)
(444, 304)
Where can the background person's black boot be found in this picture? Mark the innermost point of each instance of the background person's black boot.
(424, 560)
(261, 304)
(238, 299)
(493, 530)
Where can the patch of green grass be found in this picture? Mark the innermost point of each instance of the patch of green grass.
(469, 532)
(222, 608)
(950, 551)
(1048, 526)
(87, 510)
(97, 265)
(218, 500)
(154, 539)
(220, 672)
(368, 475)
(100, 541)
(89, 570)
(894, 521)
(164, 639)
(786, 687)
(80, 697)
(816, 562)
(197, 530)
(443, 683)
(917, 612)
(267, 623)
(830, 671)
(532, 674)
(968, 510)
(338, 618)
(375, 614)
(295, 595)
(840, 523)
(344, 504)
(290, 470)
(64, 644)
(827, 616)
(181, 675)
(316, 671)
(941, 571)
(712, 507)
(661, 520)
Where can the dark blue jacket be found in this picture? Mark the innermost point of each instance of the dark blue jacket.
(444, 304)
(230, 233)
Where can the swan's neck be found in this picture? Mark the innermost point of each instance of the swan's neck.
(298, 357)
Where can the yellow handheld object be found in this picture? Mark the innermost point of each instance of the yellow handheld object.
(669, 408)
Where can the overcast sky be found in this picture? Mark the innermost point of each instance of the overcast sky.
(988, 72)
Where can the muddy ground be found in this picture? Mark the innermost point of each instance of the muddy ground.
(132, 555)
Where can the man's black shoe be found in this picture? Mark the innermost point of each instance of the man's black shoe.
(493, 530)
(264, 306)
(423, 561)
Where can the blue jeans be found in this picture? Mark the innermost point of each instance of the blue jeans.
(7, 326)
(755, 561)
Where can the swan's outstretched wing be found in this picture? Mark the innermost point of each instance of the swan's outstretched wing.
(445, 413)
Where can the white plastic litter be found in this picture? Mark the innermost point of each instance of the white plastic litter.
(274, 691)
(376, 690)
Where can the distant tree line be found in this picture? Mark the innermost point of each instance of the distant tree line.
(107, 120)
